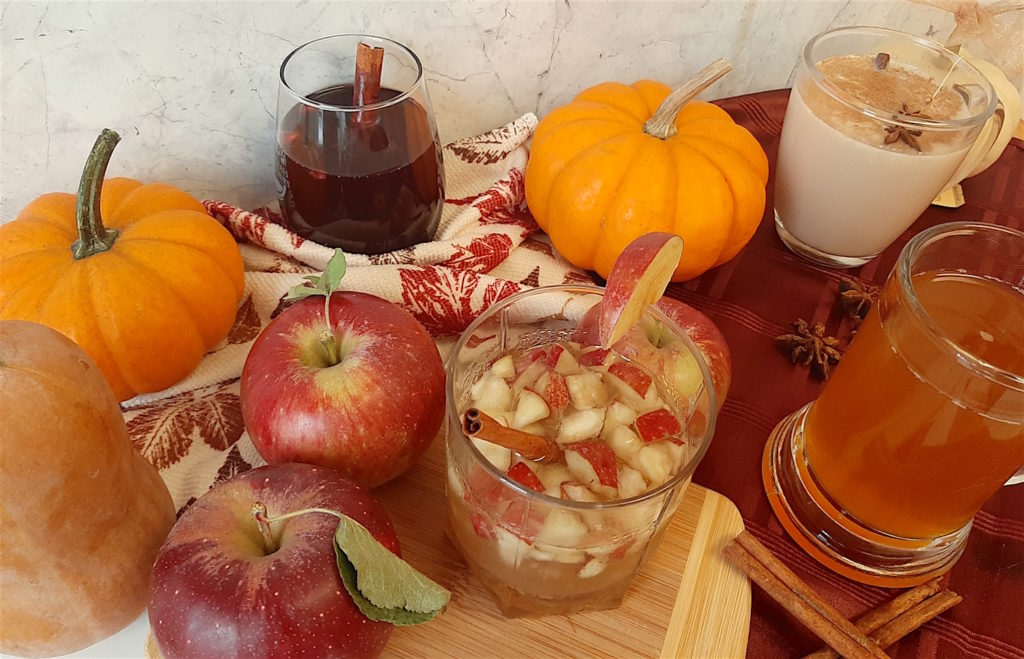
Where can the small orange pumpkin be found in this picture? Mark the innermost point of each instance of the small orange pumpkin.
(139, 276)
(620, 161)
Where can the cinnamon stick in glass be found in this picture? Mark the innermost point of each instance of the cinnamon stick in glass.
(366, 91)
(533, 447)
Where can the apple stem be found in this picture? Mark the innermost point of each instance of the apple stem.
(259, 511)
(327, 339)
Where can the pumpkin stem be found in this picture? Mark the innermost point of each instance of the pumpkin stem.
(663, 124)
(93, 237)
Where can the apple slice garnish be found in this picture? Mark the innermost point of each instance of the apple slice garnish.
(637, 280)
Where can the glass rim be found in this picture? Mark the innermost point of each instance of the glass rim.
(811, 66)
(904, 276)
(685, 472)
(403, 94)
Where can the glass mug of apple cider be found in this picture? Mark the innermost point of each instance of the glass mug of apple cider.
(359, 162)
(612, 438)
(923, 419)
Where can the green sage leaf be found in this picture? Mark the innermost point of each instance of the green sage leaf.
(301, 292)
(381, 584)
(334, 271)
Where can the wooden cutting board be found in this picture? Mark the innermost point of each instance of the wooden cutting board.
(688, 601)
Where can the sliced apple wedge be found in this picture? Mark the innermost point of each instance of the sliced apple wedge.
(504, 368)
(637, 280)
(579, 425)
(522, 474)
(656, 425)
(530, 409)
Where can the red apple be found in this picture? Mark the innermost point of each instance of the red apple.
(631, 375)
(593, 463)
(657, 352)
(637, 280)
(371, 415)
(218, 592)
(556, 393)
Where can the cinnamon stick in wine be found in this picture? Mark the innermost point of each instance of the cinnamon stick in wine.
(533, 447)
(366, 91)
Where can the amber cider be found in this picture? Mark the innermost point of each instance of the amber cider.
(904, 454)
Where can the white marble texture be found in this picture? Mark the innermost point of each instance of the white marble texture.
(192, 86)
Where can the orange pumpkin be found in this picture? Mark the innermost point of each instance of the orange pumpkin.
(139, 276)
(601, 173)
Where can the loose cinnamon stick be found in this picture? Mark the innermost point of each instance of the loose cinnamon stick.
(915, 617)
(533, 447)
(796, 597)
(885, 613)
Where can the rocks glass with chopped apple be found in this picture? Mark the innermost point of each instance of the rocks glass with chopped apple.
(566, 528)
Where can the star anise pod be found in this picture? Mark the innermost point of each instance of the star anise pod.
(908, 136)
(856, 298)
(810, 346)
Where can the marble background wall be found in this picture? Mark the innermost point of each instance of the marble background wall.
(192, 86)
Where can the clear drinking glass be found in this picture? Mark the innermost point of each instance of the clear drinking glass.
(878, 122)
(540, 554)
(923, 419)
(367, 178)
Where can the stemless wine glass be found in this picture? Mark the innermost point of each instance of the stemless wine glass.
(539, 554)
(923, 419)
(367, 178)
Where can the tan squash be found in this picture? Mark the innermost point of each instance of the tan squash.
(82, 513)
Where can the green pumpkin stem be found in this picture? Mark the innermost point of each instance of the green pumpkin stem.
(93, 237)
(663, 124)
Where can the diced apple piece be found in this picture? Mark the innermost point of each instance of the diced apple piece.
(637, 280)
(619, 414)
(544, 552)
(552, 475)
(631, 482)
(562, 528)
(492, 393)
(594, 464)
(577, 492)
(654, 462)
(624, 442)
(522, 519)
(552, 354)
(625, 392)
(511, 549)
(594, 567)
(676, 450)
(587, 390)
(542, 383)
(652, 401)
(529, 376)
(530, 409)
(658, 424)
(632, 375)
(556, 393)
(522, 474)
(593, 356)
(566, 364)
(499, 456)
(504, 368)
(535, 429)
(581, 424)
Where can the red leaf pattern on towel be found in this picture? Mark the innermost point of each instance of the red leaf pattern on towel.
(482, 254)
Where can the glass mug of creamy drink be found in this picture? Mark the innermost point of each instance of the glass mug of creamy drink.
(923, 419)
(620, 432)
(878, 122)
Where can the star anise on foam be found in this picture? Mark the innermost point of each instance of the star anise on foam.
(856, 298)
(810, 346)
(908, 136)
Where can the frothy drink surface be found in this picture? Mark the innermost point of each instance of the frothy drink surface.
(894, 89)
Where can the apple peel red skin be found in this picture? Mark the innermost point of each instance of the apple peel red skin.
(638, 278)
(215, 593)
(697, 326)
(371, 416)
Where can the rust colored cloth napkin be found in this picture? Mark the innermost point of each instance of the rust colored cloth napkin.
(752, 299)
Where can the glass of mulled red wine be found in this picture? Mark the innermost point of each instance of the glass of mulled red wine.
(359, 163)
